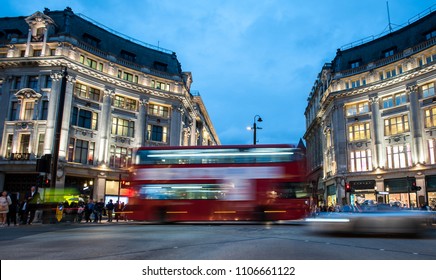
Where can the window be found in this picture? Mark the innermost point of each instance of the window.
(24, 144)
(427, 90)
(81, 151)
(120, 157)
(387, 102)
(37, 52)
(93, 94)
(84, 118)
(400, 98)
(40, 148)
(360, 161)
(91, 40)
(430, 58)
(48, 81)
(389, 52)
(158, 110)
(396, 100)
(396, 125)
(430, 117)
(87, 92)
(359, 131)
(160, 66)
(157, 133)
(14, 111)
(123, 127)
(44, 110)
(430, 35)
(128, 55)
(33, 82)
(355, 83)
(125, 103)
(399, 156)
(28, 110)
(391, 73)
(128, 76)
(355, 64)
(160, 85)
(91, 63)
(9, 144)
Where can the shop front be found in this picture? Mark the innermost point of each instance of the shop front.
(430, 183)
(363, 192)
(400, 193)
(331, 195)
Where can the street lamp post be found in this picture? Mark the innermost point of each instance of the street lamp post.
(255, 128)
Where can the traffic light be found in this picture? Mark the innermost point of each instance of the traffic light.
(347, 187)
(46, 183)
(415, 188)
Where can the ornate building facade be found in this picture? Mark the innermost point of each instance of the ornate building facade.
(87, 97)
(371, 120)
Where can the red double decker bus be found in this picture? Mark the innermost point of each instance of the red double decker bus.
(219, 183)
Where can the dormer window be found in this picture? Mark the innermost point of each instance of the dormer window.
(355, 63)
(430, 35)
(389, 52)
(12, 33)
(39, 36)
(128, 56)
(93, 41)
(160, 66)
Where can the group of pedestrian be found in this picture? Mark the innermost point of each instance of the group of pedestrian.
(10, 206)
(13, 211)
(94, 211)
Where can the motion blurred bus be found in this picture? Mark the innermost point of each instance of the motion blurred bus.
(218, 183)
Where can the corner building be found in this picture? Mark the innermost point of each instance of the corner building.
(69, 82)
(371, 120)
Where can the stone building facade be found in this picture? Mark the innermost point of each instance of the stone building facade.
(370, 120)
(87, 96)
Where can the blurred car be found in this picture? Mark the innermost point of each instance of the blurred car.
(380, 219)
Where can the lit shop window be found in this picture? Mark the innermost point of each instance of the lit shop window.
(360, 161)
(357, 109)
(399, 156)
(359, 131)
(397, 125)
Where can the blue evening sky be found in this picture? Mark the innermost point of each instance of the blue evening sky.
(247, 57)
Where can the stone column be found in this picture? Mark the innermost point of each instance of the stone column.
(44, 44)
(415, 123)
(65, 129)
(53, 99)
(141, 125)
(99, 188)
(29, 39)
(193, 128)
(105, 125)
(378, 158)
(176, 125)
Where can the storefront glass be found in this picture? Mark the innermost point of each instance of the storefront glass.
(432, 200)
(402, 199)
